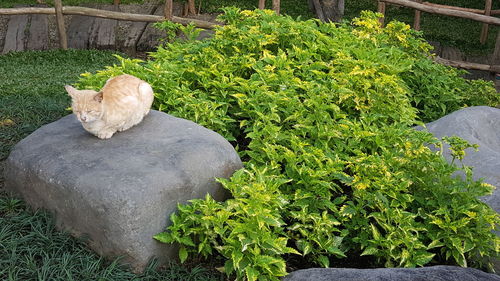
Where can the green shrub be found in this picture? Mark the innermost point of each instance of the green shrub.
(322, 116)
(445, 90)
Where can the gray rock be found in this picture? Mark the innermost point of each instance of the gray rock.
(120, 192)
(432, 273)
(478, 125)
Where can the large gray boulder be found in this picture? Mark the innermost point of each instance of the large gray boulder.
(432, 273)
(120, 192)
(478, 125)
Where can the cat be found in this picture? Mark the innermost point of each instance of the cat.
(120, 104)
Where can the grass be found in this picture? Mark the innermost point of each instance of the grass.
(32, 94)
(293, 8)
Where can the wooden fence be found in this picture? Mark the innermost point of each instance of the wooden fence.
(59, 10)
(483, 16)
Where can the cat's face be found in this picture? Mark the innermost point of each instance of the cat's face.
(86, 104)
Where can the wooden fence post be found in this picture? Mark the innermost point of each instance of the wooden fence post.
(262, 4)
(169, 5)
(484, 30)
(276, 6)
(116, 2)
(63, 39)
(416, 20)
(191, 7)
(381, 9)
(496, 53)
(496, 61)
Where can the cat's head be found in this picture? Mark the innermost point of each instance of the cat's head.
(86, 104)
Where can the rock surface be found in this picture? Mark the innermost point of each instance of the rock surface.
(434, 273)
(478, 125)
(120, 192)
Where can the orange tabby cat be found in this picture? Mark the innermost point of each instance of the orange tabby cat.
(122, 103)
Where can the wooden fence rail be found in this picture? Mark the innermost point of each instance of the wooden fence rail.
(70, 10)
(444, 11)
(476, 11)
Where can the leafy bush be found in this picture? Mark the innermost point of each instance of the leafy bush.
(445, 91)
(322, 115)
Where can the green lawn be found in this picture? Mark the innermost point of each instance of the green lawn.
(32, 94)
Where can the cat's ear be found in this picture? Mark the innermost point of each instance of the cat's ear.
(71, 91)
(98, 97)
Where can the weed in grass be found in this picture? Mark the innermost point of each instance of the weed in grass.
(449, 31)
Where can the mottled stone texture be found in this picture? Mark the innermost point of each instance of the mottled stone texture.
(432, 273)
(120, 191)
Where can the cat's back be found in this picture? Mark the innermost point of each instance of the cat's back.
(126, 97)
(121, 86)
(122, 79)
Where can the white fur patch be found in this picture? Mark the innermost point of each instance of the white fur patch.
(145, 88)
(129, 100)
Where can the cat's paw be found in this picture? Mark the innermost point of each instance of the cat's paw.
(105, 135)
(124, 128)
